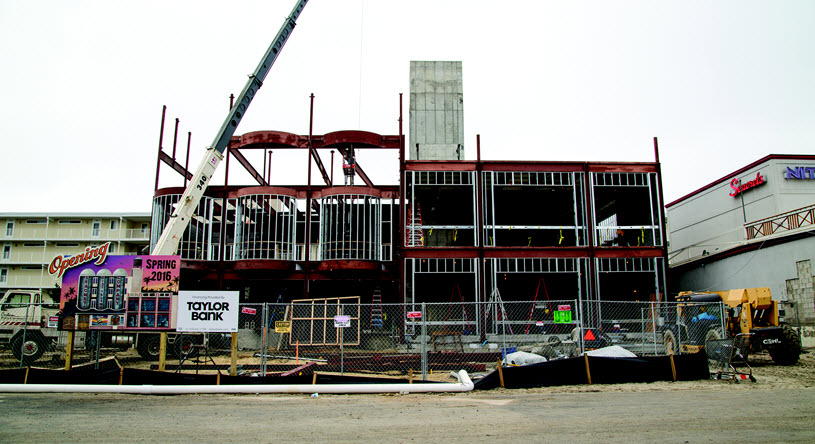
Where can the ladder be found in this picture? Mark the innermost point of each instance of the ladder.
(464, 313)
(414, 235)
(376, 320)
(534, 302)
(500, 313)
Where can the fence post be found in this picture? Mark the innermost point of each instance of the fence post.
(98, 336)
(342, 349)
(424, 342)
(579, 307)
(265, 333)
(25, 330)
(503, 313)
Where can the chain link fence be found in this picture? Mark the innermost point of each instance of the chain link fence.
(405, 341)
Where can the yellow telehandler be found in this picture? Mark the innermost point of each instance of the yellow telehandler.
(748, 310)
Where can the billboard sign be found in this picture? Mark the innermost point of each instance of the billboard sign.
(208, 311)
(107, 292)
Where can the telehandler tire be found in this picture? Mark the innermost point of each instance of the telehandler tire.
(671, 344)
(788, 351)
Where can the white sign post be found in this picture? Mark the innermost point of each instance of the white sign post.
(207, 311)
(342, 321)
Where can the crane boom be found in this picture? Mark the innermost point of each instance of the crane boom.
(167, 244)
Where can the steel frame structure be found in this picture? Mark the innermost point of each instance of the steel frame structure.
(299, 247)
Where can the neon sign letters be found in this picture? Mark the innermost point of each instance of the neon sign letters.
(739, 188)
(800, 172)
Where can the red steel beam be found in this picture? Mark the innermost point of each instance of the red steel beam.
(249, 168)
(316, 156)
(164, 157)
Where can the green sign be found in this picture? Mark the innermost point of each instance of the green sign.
(563, 317)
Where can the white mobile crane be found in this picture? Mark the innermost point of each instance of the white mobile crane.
(167, 244)
(149, 344)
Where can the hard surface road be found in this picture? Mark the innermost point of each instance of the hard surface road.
(691, 415)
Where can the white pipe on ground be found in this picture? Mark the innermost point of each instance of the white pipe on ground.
(464, 385)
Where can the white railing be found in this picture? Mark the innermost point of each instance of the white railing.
(77, 234)
(24, 281)
(795, 220)
(135, 234)
(25, 258)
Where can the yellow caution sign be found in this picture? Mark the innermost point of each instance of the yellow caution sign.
(282, 326)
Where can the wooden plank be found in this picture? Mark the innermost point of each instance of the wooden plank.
(233, 367)
(69, 351)
(162, 351)
(298, 369)
(673, 367)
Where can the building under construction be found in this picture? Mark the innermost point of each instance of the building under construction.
(454, 228)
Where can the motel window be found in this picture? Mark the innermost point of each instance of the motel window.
(70, 221)
(96, 229)
(114, 224)
(3, 275)
(6, 251)
(10, 228)
(35, 221)
(67, 244)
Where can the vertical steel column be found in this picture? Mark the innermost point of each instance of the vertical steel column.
(651, 206)
(307, 241)
(160, 141)
(222, 247)
(175, 137)
(187, 161)
(663, 223)
(481, 296)
(575, 208)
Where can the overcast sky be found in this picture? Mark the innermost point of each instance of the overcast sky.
(82, 84)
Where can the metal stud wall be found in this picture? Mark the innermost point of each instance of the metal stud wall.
(350, 227)
(200, 238)
(265, 227)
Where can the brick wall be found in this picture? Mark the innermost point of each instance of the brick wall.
(801, 290)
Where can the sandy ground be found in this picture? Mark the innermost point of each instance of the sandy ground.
(779, 407)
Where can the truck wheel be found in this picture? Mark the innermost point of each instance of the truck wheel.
(149, 347)
(671, 345)
(789, 350)
(29, 350)
(183, 346)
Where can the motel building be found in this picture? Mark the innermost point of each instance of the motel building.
(754, 227)
(31, 241)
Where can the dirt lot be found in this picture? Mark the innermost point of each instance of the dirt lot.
(780, 407)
